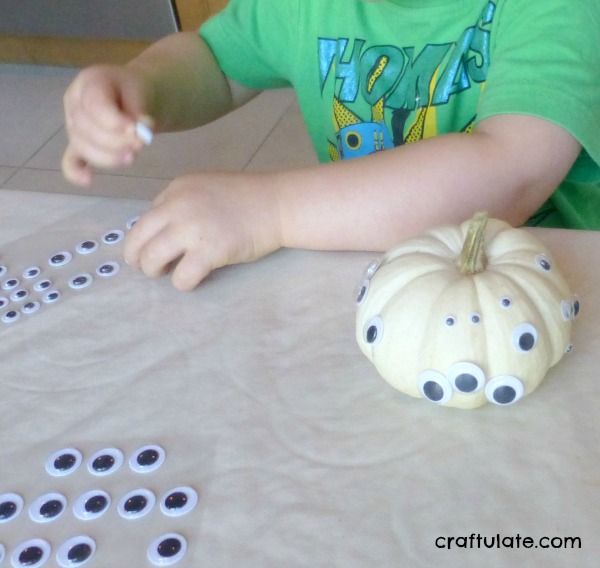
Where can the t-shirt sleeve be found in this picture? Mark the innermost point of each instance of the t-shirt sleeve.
(545, 62)
(255, 41)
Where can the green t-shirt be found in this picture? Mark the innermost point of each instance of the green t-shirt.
(374, 75)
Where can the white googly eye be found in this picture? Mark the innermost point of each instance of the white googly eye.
(524, 337)
(136, 504)
(30, 308)
(108, 269)
(450, 321)
(19, 295)
(132, 222)
(76, 552)
(105, 462)
(4, 302)
(3, 270)
(63, 462)
(11, 506)
(147, 459)
(11, 316)
(466, 377)
(10, 284)
(362, 291)
(475, 318)
(435, 387)
(167, 549)
(31, 272)
(91, 505)
(113, 237)
(42, 285)
(543, 262)
(86, 247)
(372, 268)
(80, 281)
(31, 553)
(51, 296)
(505, 302)
(59, 259)
(178, 502)
(373, 331)
(504, 390)
(47, 508)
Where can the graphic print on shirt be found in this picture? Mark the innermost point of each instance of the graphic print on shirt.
(403, 87)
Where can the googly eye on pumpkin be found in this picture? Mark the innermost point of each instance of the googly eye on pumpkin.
(505, 302)
(136, 504)
(167, 549)
(86, 247)
(373, 331)
(59, 259)
(566, 309)
(569, 348)
(31, 553)
(435, 387)
(63, 462)
(47, 508)
(475, 318)
(504, 390)
(91, 505)
(76, 551)
(178, 502)
(543, 262)
(373, 268)
(31, 272)
(450, 321)
(466, 377)
(113, 237)
(105, 462)
(524, 337)
(11, 506)
(362, 291)
(576, 306)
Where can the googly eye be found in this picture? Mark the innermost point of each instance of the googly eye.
(505, 302)
(30, 308)
(450, 321)
(11, 506)
(569, 348)
(81, 281)
(112, 237)
(136, 504)
(373, 331)
(42, 285)
(59, 259)
(147, 459)
(504, 390)
(47, 508)
(76, 551)
(63, 462)
(10, 284)
(4, 302)
(362, 291)
(91, 505)
(372, 268)
(167, 549)
(524, 337)
(466, 377)
(130, 224)
(86, 247)
(105, 462)
(475, 318)
(11, 316)
(178, 502)
(576, 306)
(435, 387)
(31, 272)
(19, 295)
(543, 262)
(3, 270)
(31, 553)
(51, 296)
(108, 269)
(566, 309)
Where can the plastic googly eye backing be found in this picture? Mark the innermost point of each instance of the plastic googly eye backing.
(178, 502)
(167, 549)
(80, 281)
(42, 285)
(147, 459)
(60, 258)
(11, 506)
(31, 554)
(108, 269)
(10, 284)
(76, 551)
(105, 462)
(113, 237)
(63, 462)
(92, 505)
(136, 504)
(47, 508)
(51, 296)
(86, 247)
(31, 272)
(10, 316)
(19, 295)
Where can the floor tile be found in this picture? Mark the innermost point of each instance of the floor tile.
(5, 173)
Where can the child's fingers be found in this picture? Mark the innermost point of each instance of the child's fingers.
(75, 168)
(159, 252)
(99, 157)
(191, 270)
(146, 228)
(100, 102)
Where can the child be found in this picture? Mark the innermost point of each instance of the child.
(478, 104)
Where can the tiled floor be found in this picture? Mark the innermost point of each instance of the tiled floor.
(267, 133)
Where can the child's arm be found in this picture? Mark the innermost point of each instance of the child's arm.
(176, 82)
(508, 166)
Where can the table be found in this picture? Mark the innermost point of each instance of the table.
(253, 384)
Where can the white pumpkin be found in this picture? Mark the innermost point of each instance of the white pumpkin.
(466, 314)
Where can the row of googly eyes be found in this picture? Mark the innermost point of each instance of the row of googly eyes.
(95, 503)
(106, 461)
(77, 551)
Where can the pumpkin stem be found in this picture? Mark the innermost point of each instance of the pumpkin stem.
(472, 258)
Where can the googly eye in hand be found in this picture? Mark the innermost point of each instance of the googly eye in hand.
(167, 549)
(31, 272)
(11, 316)
(42, 285)
(147, 459)
(105, 462)
(51, 296)
(11, 506)
(60, 259)
(63, 462)
(91, 505)
(19, 295)
(47, 508)
(113, 237)
(86, 247)
(178, 502)
(80, 281)
(136, 504)
(31, 553)
(76, 551)
(108, 269)
(10, 284)
(30, 308)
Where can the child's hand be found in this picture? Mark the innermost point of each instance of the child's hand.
(102, 105)
(204, 221)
